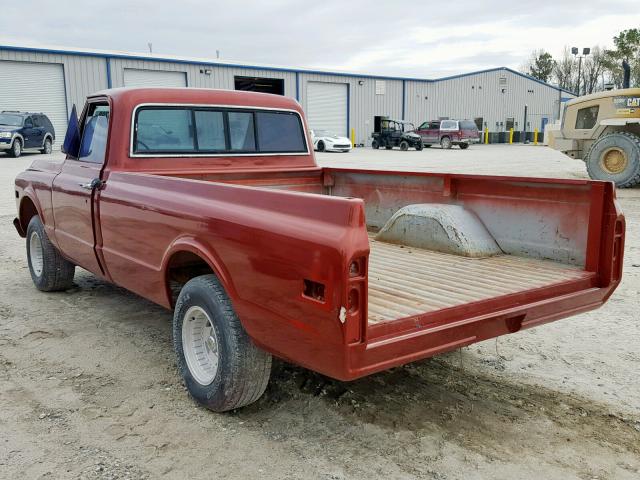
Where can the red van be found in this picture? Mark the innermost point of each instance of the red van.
(448, 133)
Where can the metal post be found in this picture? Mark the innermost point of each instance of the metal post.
(579, 72)
(524, 125)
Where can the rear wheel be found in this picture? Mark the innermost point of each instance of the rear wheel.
(375, 145)
(49, 270)
(445, 142)
(16, 148)
(404, 145)
(615, 157)
(47, 147)
(321, 146)
(219, 363)
(464, 146)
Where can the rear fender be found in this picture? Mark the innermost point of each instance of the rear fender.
(205, 252)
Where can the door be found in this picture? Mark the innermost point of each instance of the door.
(327, 107)
(76, 188)
(433, 132)
(35, 87)
(30, 134)
(422, 131)
(134, 77)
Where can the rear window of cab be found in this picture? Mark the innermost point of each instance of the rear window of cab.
(192, 130)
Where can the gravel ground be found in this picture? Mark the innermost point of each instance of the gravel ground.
(88, 386)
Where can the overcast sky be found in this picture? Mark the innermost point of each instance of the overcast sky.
(420, 38)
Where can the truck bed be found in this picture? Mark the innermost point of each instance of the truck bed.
(406, 281)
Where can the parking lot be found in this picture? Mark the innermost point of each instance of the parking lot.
(89, 389)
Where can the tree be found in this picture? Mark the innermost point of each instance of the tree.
(593, 67)
(541, 65)
(628, 48)
(565, 71)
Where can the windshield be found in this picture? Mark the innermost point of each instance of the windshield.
(323, 133)
(11, 120)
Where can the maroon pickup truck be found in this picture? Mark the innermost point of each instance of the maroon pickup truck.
(211, 203)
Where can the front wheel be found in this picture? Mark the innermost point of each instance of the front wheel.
(464, 146)
(47, 148)
(16, 148)
(375, 145)
(615, 157)
(419, 146)
(219, 363)
(49, 270)
(321, 146)
(404, 145)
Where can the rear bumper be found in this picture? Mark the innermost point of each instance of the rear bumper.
(467, 140)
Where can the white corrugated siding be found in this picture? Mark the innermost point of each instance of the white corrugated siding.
(134, 77)
(35, 87)
(327, 105)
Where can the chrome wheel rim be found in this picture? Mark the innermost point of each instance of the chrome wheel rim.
(47, 147)
(614, 160)
(35, 254)
(200, 345)
(17, 148)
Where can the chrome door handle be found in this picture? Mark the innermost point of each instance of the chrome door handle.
(94, 184)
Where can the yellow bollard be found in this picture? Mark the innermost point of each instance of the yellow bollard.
(353, 137)
(486, 135)
(510, 136)
(535, 136)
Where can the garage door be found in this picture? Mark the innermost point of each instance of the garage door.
(35, 87)
(153, 78)
(327, 107)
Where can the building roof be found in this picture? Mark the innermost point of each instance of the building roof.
(225, 63)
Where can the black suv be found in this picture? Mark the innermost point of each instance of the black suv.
(25, 131)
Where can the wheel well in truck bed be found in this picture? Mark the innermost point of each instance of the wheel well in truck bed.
(182, 267)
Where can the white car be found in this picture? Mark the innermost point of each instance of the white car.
(325, 141)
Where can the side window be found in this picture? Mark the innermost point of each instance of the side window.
(434, 126)
(210, 130)
(449, 125)
(586, 118)
(37, 121)
(28, 123)
(241, 132)
(94, 134)
(424, 126)
(168, 130)
(279, 132)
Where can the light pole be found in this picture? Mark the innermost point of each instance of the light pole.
(585, 51)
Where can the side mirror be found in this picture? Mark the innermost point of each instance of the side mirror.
(71, 144)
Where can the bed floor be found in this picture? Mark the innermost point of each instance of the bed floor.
(406, 281)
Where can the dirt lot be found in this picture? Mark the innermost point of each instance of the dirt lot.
(88, 386)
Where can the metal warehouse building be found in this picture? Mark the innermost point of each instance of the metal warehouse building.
(52, 81)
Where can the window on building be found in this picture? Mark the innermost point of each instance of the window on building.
(586, 118)
(509, 123)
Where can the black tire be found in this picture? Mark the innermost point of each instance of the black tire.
(445, 142)
(419, 146)
(375, 145)
(388, 147)
(321, 146)
(243, 369)
(48, 146)
(55, 272)
(426, 145)
(464, 146)
(404, 145)
(16, 148)
(629, 145)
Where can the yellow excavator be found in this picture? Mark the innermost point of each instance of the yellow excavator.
(603, 129)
